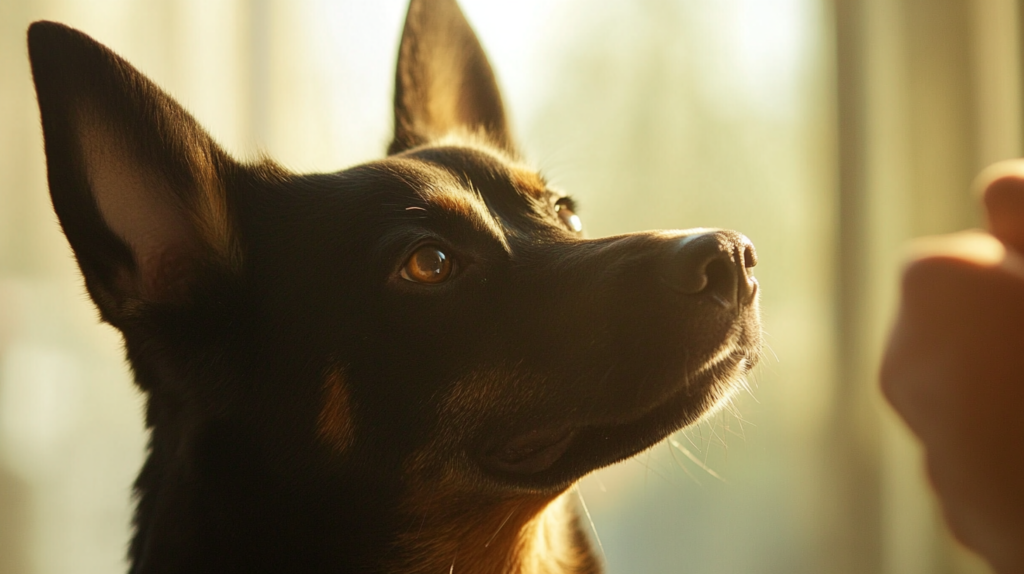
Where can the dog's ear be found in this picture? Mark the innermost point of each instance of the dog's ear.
(136, 183)
(444, 83)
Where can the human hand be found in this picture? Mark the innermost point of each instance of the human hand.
(952, 370)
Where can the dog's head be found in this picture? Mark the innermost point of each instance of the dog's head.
(433, 320)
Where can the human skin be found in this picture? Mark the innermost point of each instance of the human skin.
(953, 370)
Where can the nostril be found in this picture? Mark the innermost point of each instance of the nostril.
(721, 281)
(715, 266)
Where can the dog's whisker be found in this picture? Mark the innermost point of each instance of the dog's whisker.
(500, 526)
(741, 434)
(734, 410)
(681, 465)
(703, 465)
(711, 441)
(454, 558)
(744, 384)
(742, 422)
(715, 436)
(686, 435)
(650, 469)
(590, 519)
(647, 467)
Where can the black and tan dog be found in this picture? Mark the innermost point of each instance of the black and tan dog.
(399, 367)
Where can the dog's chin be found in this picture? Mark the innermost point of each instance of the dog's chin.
(552, 458)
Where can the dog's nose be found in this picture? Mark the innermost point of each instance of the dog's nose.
(715, 264)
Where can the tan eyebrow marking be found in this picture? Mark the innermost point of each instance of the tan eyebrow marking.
(528, 182)
(459, 201)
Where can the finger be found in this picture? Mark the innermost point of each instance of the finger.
(1002, 192)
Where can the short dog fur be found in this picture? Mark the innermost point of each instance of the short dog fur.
(400, 367)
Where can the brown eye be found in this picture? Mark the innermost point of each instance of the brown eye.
(427, 265)
(564, 207)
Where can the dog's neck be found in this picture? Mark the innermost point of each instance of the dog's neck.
(195, 517)
(187, 526)
(525, 535)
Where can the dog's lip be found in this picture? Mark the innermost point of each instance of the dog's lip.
(532, 451)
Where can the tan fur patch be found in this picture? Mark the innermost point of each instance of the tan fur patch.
(528, 182)
(519, 534)
(446, 193)
(334, 424)
(460, 203)
(459, 525)
(552, 542)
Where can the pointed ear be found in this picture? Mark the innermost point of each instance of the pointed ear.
(444, 83)
(136, 183)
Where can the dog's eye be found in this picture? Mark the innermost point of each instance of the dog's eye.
(428, 264)
(566, 210)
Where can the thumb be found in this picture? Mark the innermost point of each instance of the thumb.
(1002, 192)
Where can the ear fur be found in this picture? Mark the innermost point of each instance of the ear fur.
(136, 183)
(444, 83)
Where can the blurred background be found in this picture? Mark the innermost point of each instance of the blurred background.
(828, 131)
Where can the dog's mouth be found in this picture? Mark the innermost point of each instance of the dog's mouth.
(561, 453)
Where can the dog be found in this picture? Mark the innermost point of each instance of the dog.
(400, 367)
